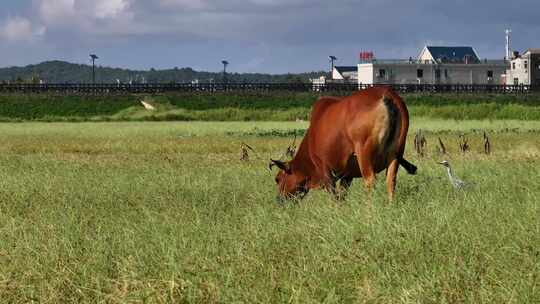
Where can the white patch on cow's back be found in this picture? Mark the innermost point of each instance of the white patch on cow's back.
(386, 146)
(382, 123)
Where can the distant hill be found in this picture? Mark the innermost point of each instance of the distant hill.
(65, 72)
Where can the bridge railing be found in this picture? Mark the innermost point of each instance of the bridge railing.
(152, 88)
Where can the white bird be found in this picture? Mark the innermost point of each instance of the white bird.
(456, 182)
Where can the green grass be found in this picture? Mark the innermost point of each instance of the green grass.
(165, 212)
(275, 106)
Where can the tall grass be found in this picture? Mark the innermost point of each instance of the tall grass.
(166, 212)
(48, 107)
(276, 106)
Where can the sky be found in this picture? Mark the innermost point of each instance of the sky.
(267, 36)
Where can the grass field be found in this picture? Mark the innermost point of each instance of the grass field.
(166, 212)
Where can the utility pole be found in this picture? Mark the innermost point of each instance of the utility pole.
(508, 51)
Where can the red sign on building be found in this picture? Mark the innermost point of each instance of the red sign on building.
(366, 56)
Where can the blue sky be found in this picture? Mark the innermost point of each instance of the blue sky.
(275, 36)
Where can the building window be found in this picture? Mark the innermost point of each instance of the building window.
(525, 64)
(490, 74)
(516, 81)
(438, 74)
(445, 73)
(382, 73)
(419, 73)
(513, 65)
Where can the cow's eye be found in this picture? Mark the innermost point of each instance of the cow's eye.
(277, 180)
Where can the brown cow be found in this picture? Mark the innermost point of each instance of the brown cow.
(355, 136)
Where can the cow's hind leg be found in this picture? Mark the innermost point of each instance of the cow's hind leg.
(365, 162)
(391, 173)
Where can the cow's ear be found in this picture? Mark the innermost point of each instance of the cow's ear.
(282, 165)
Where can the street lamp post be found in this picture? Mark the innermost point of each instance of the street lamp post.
(225, 64)
(93, 57)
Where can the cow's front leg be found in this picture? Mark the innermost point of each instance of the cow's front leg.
(329, 184)
(343, 189)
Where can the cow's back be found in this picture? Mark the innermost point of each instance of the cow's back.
(321, 106)
(378, 122)
(339, 126)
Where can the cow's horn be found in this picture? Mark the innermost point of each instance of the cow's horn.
(273, 163)
(279, 164)
(270, 165)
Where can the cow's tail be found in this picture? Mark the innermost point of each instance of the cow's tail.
(410, 168)
(399, 125)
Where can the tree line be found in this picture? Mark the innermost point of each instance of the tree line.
(65, 72)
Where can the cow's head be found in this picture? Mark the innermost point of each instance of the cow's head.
(292, 184)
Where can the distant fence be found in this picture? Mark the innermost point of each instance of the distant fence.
(118, 89)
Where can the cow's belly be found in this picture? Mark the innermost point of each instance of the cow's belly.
(351, 168)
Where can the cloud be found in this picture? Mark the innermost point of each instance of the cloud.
(82, 13)
(57, 11)
(110, 8)
(267, 34)
(17, 29)
(184, 4)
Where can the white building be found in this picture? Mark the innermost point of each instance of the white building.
(318, 81)
(524, 69)
(434, 65)
(345, 73)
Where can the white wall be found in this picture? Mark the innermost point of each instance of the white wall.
(351, 75)
(365, 73)
(336, 75)
(405, 73)
(425, 56)
(517, 73)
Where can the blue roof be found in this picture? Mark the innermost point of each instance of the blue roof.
(453, 54)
